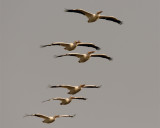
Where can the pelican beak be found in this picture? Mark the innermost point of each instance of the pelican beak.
(82, 85)
(78, 42)
(91, 52)
(99, 12)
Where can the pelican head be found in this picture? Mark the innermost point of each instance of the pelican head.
(56, 116)
(99, 12)
(91, 52)
(82, 85)
(71, 97)
(77, 42)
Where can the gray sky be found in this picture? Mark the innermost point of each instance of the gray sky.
(129, 96)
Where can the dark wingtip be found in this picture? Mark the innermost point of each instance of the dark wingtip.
(49, 86)
(73, 115)
(99, 86)
(120, 22)
(66, 10)
(110, 59)
(42, 46)
(55, 56)
(98, 48)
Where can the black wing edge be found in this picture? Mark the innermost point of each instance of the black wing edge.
(113, 19)
(74, 10)
(93, 46)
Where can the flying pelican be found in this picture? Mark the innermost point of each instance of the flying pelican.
(72, 46)
(84, 57)
(94, 17)
(49, 119)
(65, 101)
(74, 89)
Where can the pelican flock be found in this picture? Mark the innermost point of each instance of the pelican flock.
(65, 101)
(93, 17)
(84, 57)
(74, 89)
(72, 46)
(48, 119)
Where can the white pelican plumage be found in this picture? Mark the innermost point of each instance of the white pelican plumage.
(72, 46)
(65, 101)
(49, 119)
(74, 89)
(84, 57)
(94, 17)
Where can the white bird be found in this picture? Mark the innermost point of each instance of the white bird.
(72, 46)
(49, 119)
(65, 101)
(84, 57)
(94, 17)
(74, 89)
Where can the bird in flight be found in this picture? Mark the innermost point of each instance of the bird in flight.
(93, 17)
(48, 119)
(65, 101)
(84, 57)
(72, 46)
(74, 89)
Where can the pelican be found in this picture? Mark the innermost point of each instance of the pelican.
(72, 46)
(94, 17)
(49, 119)
(84, 57)
(65, 101)
(74, 89)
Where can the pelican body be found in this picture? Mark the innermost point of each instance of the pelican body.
(74, 89)
(84, 57)
(65, 101)
(94, 17)
(72, 46)
(49, 119)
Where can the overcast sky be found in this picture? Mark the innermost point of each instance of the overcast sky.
(129, 96)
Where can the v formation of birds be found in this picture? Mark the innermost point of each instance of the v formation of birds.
(82, 58)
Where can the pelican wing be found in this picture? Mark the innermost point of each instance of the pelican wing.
(67, 86)
(74, 54)
(58, 98)
(38, 115)
(91, 86)
(101, 55)
(111, 18)
(80, 98)
(89, 45)
(66, 115)
(79, 11)
(71, 54)
(62, 86)
(56, 43)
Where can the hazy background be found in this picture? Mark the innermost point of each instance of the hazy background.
(129, 97)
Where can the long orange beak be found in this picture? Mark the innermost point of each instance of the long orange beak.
(99, 12)
(91, 52)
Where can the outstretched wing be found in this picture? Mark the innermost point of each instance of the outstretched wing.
(89, 45)
(56, 43)
(91, 86)
(66, 115)
(101, 55)
(80, 11)
(62, 86)
(111, 18)
(71, 54)
(58, 98)
(67, 86)
(38, 115)
(79, 98)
